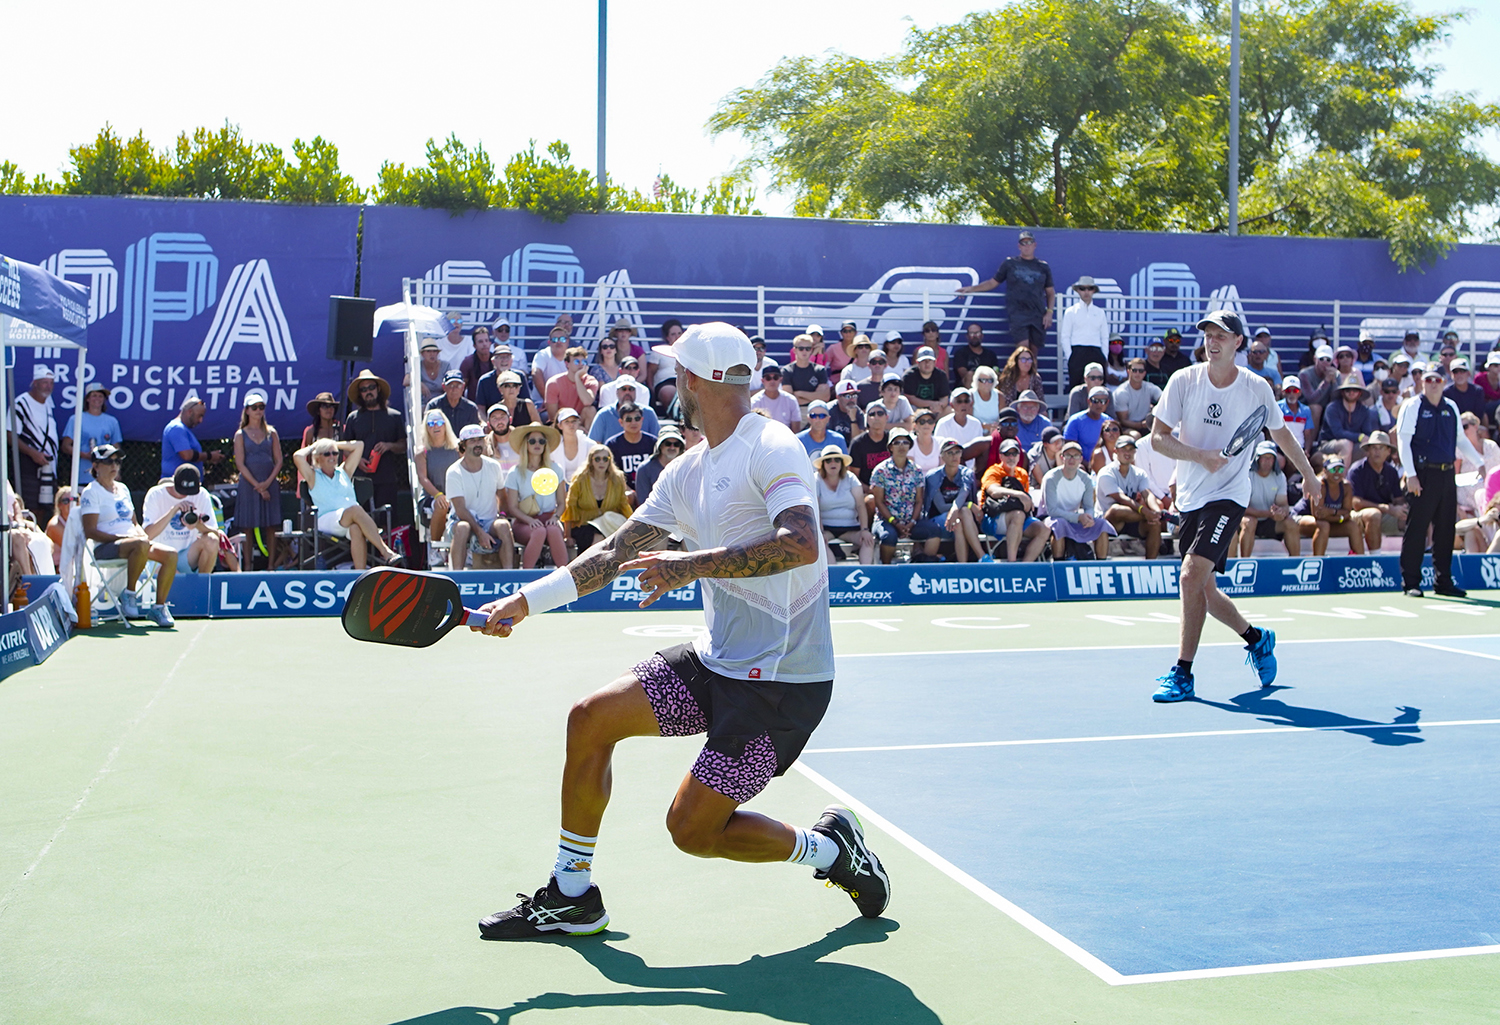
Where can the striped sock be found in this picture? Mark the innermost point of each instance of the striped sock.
(813, 848)
(575, 863)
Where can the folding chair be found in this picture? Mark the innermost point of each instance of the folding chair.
(326, 549)
(107, 579)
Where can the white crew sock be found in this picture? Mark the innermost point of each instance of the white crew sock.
(575, 863)
(813, 848)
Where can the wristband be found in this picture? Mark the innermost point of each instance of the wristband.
(553, 591)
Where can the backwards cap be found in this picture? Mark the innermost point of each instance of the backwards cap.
(709, 350)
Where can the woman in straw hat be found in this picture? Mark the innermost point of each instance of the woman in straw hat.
(841, 505)
(533, 515)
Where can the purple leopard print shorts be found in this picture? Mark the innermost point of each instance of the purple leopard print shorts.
(756, 729)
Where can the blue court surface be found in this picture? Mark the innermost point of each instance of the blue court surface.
(1352, 811)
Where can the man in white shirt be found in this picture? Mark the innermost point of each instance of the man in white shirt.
(960, 425)
(473, 489)
(1083, 335)
(1207, 403)
(179, 514)
(34, 436)
(757, 682)
(1123, 497)
(550, 362)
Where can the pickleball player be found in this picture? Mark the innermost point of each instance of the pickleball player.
(757, 683)
(1206, 403)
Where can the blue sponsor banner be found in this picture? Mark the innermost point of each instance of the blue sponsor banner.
(31, 634)
(940, 583)
(43, 300)
(190, 298)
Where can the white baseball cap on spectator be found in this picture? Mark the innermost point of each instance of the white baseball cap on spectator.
(817, 404)
(429, 343)
(1262, 331)
(1400, 357)
(1097, 391)
(40, 371)
(625, 381)
(1291, 382)
(900, 434)
(956, 392)
(1493, 358)
(711, 350)
(1460, 363)
(567, 413)
(925, 352)
(470, 432)
(1093, 370)
(255, 395)
(846, 387)
(1265, 448)
(814, 329)
(890, 375)
(1323, 352)
(893, 336)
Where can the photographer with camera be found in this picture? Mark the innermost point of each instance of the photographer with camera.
(177, 513)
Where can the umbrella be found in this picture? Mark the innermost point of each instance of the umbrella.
(423, 319)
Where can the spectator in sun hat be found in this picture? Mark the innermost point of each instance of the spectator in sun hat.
(430, 369)
(1379, 503)
(841, 506)
(452, 404)
(925, 385)
(522, 409)
(871, 448)
(1008, 510)
(99, 428)
(1083, 334)
(323, 408)
(817, 436)
(1031, 418)
(381, 432)
(669, 445)
(846, 417)
(897, 488)
(779, 405)
(473, 486)
(177, 513)
(1086, 427)
(858, 369)
(1268, 513)
(1343, 363)
(607, 421)
(109, 521)
(1347, 418)
(534, 517)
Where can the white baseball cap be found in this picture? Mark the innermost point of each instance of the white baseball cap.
(626, 381)
(925, 352)
(470, 432)
(1291, 381)
(893, 336)
(709, 350)
(814, 329)
(1323, 352)
(1493, 358)
(846, 387)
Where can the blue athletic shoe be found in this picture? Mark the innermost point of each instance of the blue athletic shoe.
(1176, 685)
(1263, 657)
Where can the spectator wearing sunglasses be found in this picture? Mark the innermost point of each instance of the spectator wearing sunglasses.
(817, 436)
(1334, 510)
(257, 453)
(777, 404)
(328, 467)
(473, 488)
(59, 521)
(574, 388)
(632, 446)
(846, 417)
(607, 422)
(1083, 334)
(806, 380)
(669, 445)
(1087, 427)
(858, 369)
(869, 388)
(99, 428)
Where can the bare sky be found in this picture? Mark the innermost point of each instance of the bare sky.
(379, 78)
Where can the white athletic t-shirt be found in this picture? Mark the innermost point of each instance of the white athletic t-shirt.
(176, 533)
(479, 489)
(759, 628)
(113, 508)
(1206, 417)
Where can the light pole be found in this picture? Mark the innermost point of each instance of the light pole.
(1233, 117)
(603, 60)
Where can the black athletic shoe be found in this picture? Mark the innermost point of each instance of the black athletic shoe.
(1450, 591)
(857, 871)
(1413, 592)
(548, 911)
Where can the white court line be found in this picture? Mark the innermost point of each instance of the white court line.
(1170, 644)
(1152, 736)
(1441, 647)
(1082, 957)
(103, 770)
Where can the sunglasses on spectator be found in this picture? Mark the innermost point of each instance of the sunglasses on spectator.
(368, 388)
(1097, 398)
(877, 361)
(672, 444)
(1137, 370)
(606, 345)
(1335, 469)
(600, 460)
(510, 384)
(258, 405)
(963, 398)
(1087, 288)
(846, 330)
(328, 405)
(1448, 352)
(631, 419)
(817, 416)
(1111, 430)
(876, 412)
(64, 501)
(534, 440)
(803, 348)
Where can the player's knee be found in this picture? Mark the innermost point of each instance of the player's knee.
(692, 835)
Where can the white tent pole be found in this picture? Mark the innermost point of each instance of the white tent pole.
(412, 364)
(78, 410)
(5, 322)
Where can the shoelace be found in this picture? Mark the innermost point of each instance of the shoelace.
(850, 891)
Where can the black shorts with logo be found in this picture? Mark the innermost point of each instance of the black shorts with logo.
(756, 728)
(1208, 531)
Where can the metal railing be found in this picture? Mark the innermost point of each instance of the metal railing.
(906, 297)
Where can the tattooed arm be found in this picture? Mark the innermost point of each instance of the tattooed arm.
(795, 543)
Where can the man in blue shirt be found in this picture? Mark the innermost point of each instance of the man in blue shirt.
(817, 435)
(179, 445)
(1085, 427)
(1347, 419)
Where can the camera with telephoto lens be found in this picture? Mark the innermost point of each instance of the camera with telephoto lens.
(190, 517)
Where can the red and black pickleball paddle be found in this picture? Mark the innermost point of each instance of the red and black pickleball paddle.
(405, 607)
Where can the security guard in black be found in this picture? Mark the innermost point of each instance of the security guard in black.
(1428, 437)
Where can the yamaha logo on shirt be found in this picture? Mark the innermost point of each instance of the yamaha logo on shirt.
(1215, 411)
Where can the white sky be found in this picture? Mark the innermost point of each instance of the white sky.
(378, 78)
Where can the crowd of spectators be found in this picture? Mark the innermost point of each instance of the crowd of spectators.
(921, 454)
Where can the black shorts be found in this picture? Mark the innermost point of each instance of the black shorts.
(1209, 530)
(756, 729)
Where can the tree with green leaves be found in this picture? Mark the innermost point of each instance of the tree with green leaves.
(1114, 114)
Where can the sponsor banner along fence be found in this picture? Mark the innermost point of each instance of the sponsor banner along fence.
(29, 635)
(252, 595)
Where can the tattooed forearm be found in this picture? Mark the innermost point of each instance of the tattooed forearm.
(794, 544)
(601, 563)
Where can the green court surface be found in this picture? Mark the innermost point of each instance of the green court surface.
(262, 821)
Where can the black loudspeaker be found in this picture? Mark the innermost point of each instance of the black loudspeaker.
(351, 328)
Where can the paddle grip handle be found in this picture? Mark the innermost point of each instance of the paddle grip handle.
(481, 618)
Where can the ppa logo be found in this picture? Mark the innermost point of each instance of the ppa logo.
(1489, 571)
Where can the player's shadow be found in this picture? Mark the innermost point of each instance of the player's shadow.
(1267, 707)
(793, 986)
